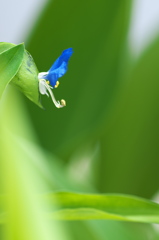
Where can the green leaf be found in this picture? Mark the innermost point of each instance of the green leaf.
(5, 46)
(123, 230)
(74, 206)
(26, 78)
(10, 62)
(129, 143)
(27, 81)
(22, 210)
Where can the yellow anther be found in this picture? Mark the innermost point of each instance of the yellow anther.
(63, 102)
(48, 82)
(57, 84)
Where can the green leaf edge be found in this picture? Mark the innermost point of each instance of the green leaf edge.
(76, 206)
(9, 80)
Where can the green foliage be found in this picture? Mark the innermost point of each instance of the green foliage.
(97, 33)
(22, 208)
(110, 98)
(129, 137)
(27, 79)
(75, 206)
(11, 61)
(20, 70)
(105, 140)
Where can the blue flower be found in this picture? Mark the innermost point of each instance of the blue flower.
(49, 80)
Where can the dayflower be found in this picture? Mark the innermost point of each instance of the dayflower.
(49, 80)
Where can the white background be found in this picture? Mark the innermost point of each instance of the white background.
(17, 18)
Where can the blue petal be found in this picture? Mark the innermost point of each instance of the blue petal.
(59, 67)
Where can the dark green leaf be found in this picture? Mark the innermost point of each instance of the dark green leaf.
(129, 143)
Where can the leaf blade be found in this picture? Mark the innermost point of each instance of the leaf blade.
(10, 62)
(75, 206)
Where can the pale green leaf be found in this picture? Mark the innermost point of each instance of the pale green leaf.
(5, 46)
(74, 206)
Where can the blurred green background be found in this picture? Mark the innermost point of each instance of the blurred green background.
(106, 139)
(112, 100)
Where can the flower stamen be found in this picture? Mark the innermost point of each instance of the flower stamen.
(57, 84)
(48, 82)
(63, 102)
(44, 87)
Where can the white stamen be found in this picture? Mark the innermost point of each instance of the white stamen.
(44, 87)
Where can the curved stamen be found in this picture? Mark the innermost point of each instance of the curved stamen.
(43, 84)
